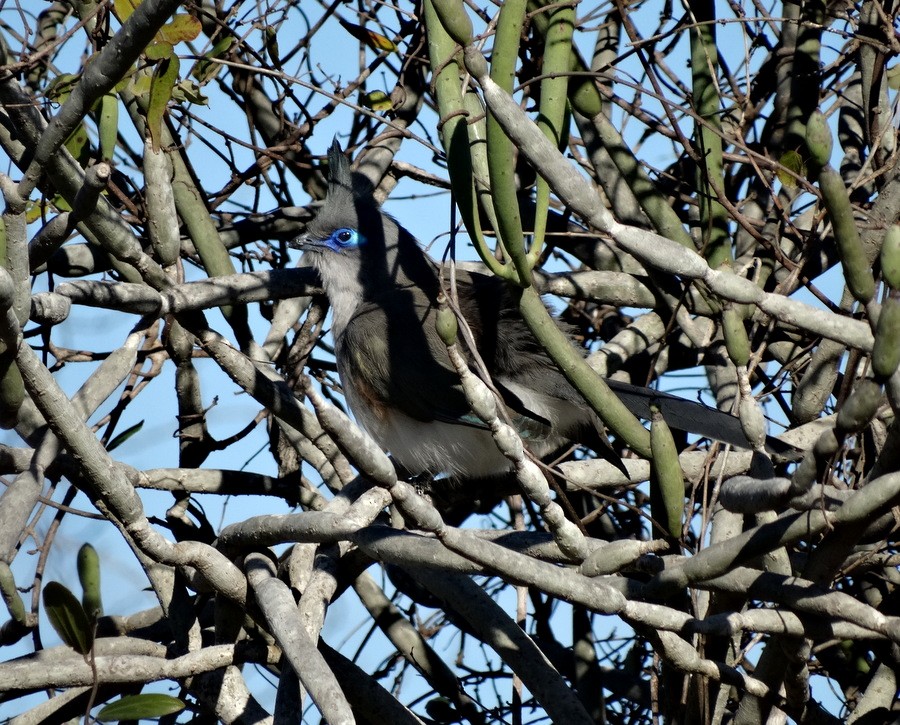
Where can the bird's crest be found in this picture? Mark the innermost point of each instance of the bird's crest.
(344, 184)
(340, 178)
(350, 201)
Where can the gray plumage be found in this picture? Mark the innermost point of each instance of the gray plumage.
(396, 374)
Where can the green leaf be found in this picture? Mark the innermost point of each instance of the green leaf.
(160, 50)
(893, 77)
(10, 594)
(271, 44)
(60, 87)
(35, 210)
(138, 707)
(124, 436)
(126, 81)
(164, 76)
(206, 70)
(188, 91)
(68, 618)
(79, 145)
(140, 85)
(108, 125)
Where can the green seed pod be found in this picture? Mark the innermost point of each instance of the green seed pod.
(857, 270)
(666, 476)
(89, 576)
(890, 257)
(446, 325)
(886, 352)
(736, 341)
(12, 390)
(818, 139)
(860, 407)
(455, 20)
(10, 594)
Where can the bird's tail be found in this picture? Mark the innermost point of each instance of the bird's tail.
(692, 417)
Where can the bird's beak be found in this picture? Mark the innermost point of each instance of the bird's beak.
(305, 243)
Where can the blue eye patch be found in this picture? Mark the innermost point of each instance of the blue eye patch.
(344, 238)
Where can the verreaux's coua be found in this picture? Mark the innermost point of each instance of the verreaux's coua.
(395, 370)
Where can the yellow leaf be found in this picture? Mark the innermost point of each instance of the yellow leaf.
(124, 8)
(790, 161)
(180, 28)
(378, 101)
(35, 210)
(374, 40)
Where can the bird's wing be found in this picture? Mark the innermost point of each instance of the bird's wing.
(512, 352)
(392, 363)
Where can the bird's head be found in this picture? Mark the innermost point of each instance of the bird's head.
(349, 222)
(359, 252)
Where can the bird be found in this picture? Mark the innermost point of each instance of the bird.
(394, 368)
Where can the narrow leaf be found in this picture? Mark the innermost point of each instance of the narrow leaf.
(124, 436)
(374, 40)
(10, 594)
(139, 707)
(272, 44)
(108, 125)
(164, 76)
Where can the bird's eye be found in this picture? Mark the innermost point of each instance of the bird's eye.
(344, 236)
